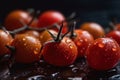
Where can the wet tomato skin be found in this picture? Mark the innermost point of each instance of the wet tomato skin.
(103, 54)
(27, 48)
(82, 40)
(5, 39)
(61, 53)
(114, 35)
(32, 33)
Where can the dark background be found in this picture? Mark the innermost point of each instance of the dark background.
(87, 10)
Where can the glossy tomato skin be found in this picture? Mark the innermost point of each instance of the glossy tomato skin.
(13, 19)
(61, 53)
(45, 36)
(114, 35)
(93, 28)
(49, 18)
(5, 39)
(32, 33)
(82, 40)
(27, 48)
(103, 54)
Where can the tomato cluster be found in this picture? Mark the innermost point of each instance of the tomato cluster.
(58, 46)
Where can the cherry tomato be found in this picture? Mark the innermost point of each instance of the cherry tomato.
(93, 28)
(82, 40)
(49, 18)
(32, 33)
(27, 48)
(114, 35)
(5, 39)
(13, 20)
(45, 36)
(103, 54)
(61, 53)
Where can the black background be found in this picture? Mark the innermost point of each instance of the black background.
(87, 10)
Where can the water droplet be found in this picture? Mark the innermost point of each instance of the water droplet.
(79, 43)
(71, 65)
(115, 77)
(38, 77)
(71, 46)
(95, 43)
(81, 40)
(76, 78)
(55, 74)
(23, 39)
(68, 41)
(35, 52)
(114, 49)
(101, 45)
(85, 40)
(75, 69)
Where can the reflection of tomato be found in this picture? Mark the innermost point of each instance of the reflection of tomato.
(93, 28)
(13, 20)
(48, 18)
(5, 39)
(103, 54)
(27, 48)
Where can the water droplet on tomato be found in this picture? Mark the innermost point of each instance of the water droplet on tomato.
(85, 40)
(68, 41)
(114, 49)
(101, 45)
(35, 52)
(71, 46)
(23, 39)
(78, 43)
(81, 40)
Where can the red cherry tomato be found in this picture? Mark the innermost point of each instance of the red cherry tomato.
(82, 40)
(103, 54)
(61, 53)
(114, 35)
(27, 48)
(32, 33)
(5, 39)
(93, 28)
(13, 20)
(49, 18)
